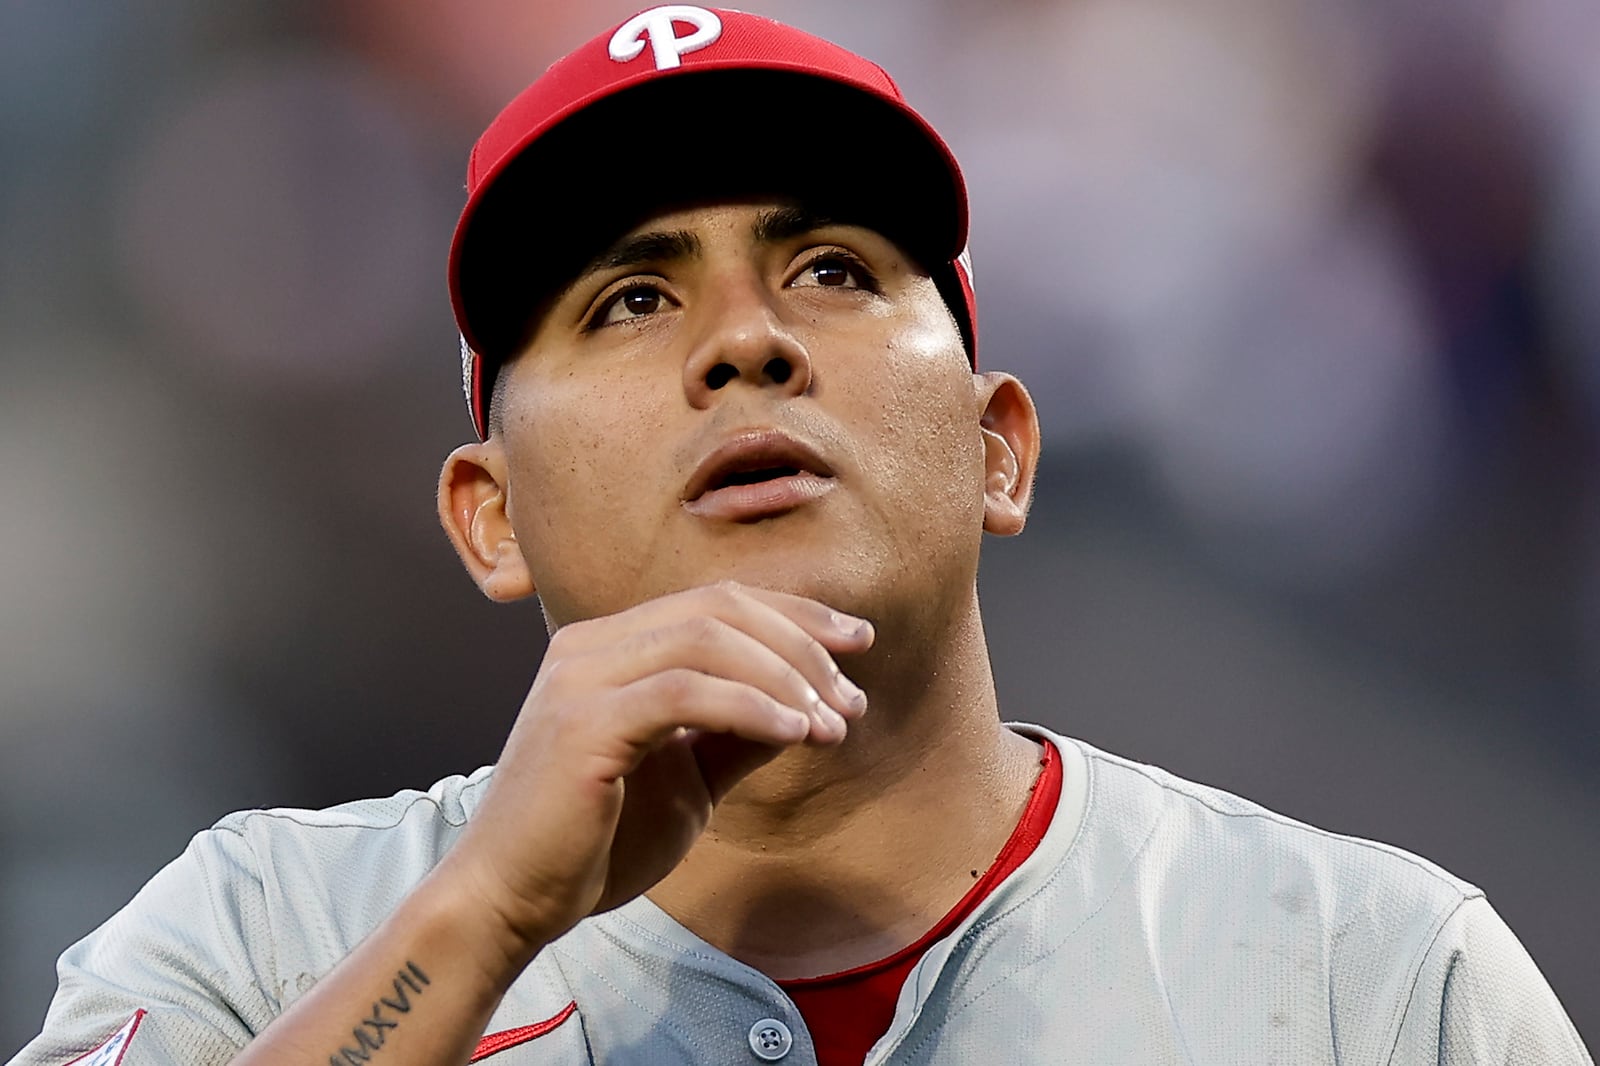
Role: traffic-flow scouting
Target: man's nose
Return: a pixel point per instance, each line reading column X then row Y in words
column 746, row 340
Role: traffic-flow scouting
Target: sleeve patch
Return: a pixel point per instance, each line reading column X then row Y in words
column 110, row 1053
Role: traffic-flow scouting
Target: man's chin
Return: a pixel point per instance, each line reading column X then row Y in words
column 818, row 572
column 848, row 573
column 795, row 576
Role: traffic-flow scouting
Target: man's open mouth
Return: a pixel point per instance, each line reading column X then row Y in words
column 756, row 474
column 752, row 458
column 751, row 477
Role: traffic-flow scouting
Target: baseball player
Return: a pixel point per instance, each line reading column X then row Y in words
column 759, row 805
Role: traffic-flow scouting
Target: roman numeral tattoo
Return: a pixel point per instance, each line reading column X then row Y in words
column 374, row 1029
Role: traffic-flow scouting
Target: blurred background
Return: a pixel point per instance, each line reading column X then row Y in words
column 1309, row 295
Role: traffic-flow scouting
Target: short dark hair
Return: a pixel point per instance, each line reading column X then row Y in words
column 497, row 398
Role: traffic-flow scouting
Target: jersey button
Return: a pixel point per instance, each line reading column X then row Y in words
column 770, row 1039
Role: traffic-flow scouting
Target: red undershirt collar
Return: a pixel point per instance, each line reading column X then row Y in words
column 848, row 1011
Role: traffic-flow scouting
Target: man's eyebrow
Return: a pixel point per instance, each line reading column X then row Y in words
column 645, row 248
column 771, row 226
column 779, row 224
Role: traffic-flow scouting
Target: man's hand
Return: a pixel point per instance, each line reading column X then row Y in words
column 635, row 727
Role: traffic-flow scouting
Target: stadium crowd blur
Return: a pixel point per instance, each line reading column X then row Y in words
column 1308, row 293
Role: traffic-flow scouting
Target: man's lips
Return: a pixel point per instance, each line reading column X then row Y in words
column 755, row 474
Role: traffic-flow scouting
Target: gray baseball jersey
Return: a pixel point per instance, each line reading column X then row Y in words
column 1158, row 921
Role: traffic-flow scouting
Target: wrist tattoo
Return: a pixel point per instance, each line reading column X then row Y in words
column 373, row 1030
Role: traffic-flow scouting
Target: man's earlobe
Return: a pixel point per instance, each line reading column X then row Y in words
column 1010, row 429
column 473, row 511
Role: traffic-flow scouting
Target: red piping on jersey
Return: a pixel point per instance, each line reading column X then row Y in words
column 495, row 1043
column 138, row 1016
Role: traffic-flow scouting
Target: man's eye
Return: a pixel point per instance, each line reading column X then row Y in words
column 831, row 271
column 636, row 302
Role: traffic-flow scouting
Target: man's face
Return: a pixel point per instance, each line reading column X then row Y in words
column 746, row 391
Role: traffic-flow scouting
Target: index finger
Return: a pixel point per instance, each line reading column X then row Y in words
column 835, row 630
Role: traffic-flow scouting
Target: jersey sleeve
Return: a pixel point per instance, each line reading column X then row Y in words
column 173, row 977
column 1480, row 999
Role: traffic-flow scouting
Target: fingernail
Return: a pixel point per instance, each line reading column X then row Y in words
column 847, row 624
column 832, row 718
column 851, row 692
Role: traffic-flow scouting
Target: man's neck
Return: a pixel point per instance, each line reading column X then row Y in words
column 831, row 858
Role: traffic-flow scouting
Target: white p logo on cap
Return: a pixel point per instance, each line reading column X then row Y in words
column 657, row 24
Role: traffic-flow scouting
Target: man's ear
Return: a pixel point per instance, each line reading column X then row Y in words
column 1010, row 428
column 472, row 509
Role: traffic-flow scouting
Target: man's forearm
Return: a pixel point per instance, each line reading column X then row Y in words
column 420, row 989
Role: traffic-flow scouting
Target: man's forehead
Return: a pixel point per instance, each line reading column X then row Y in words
column 681, row 230
column 760, row 220
column 764, row 218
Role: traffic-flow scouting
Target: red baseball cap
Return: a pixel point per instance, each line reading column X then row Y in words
column 678, row 104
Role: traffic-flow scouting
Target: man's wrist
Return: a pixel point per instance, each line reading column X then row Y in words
column 464, row 919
